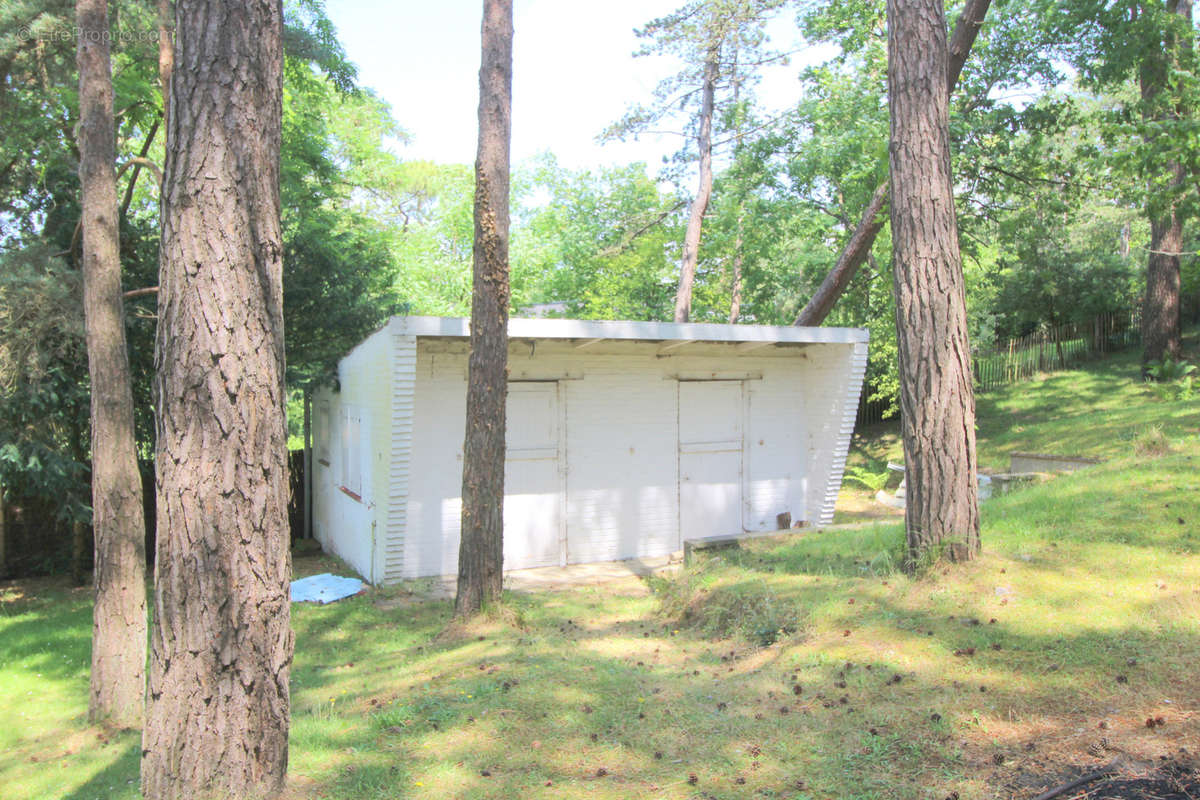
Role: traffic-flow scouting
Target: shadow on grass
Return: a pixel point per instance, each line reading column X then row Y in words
column 121, row 776
column 563, row 715
column 594, row 698
column 50, row 635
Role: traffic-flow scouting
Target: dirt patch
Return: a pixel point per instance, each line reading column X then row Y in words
column 858, row 505
column 1170, row 783
column 1171, row 779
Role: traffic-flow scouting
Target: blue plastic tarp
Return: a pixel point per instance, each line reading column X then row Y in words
column 324, row 588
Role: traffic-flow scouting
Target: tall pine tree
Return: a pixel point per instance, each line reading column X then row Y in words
column 481, row 549
column 118, row 674
column 937, row 397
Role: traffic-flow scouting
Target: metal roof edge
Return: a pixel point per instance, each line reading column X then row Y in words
column 525, row 328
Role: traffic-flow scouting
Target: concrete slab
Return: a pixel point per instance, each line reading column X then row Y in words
column 615, row 575
column 1048, row 462
column 618, row 577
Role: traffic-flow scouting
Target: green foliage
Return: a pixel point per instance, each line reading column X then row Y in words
column 1168, row 369
column 1144, row 55
column 603, row 242
column 310, row 39
column 339, row 265
column 1058, row 253
column 729, row 32
column 339, row 261
column 867, row 478
column 436, row 241
column 43, row 396
column 1171, row 379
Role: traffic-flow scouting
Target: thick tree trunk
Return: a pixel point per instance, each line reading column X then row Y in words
column 936, row 394
column 691, row 239
column 858, row 247
column 1162, row 333
column 221, row 647
column 118, row 677
column 481, row 549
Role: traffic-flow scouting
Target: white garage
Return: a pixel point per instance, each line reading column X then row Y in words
column 624, row 439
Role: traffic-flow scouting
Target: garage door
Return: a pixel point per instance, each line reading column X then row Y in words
column 710, row 458
column 533, row 482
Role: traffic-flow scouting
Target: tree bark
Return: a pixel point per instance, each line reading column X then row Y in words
column 735, row 301
column 78, row 553
column 118, row 676
column 1162, row 332
column 691, row 239
column 481, row 548
column 849, row 260
column 3, row 535
column 166, row 51
column 858, row 247
column 221, row 647
column 936, row 392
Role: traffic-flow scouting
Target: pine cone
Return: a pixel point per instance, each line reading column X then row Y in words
column 1096, row 749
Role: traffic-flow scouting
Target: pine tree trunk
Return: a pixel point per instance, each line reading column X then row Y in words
column 166, row 51
column 1162, row 333
column 858, row 246
column 221, row 647
column 936, row 393
column 735, row 302
column 118, row 676
column 481, row 548
column 691, row 239
column 78, row 553
column 3, row 535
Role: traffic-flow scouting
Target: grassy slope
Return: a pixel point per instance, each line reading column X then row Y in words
column 1096, row 412
column 1082, row 575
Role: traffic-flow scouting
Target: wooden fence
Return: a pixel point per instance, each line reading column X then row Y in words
column 1046, row 350
column 1052, row 349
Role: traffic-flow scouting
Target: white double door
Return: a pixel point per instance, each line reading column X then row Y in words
column 711, row 467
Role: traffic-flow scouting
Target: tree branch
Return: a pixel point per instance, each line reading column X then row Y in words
column 1027, row 179
column 852, row 256
column 138, row 161
column 628, row 240
column 859, row 245
column 137, row 169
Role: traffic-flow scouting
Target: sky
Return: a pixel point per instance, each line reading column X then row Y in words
column 573, row 74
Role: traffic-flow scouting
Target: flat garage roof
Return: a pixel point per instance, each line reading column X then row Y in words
column 596, row 331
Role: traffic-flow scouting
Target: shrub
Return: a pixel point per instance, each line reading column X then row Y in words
column 1151, row 442
column 875, row 481
column 1171, row 379
column 750, row 609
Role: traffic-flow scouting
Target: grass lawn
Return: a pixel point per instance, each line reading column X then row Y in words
column 802, row 666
